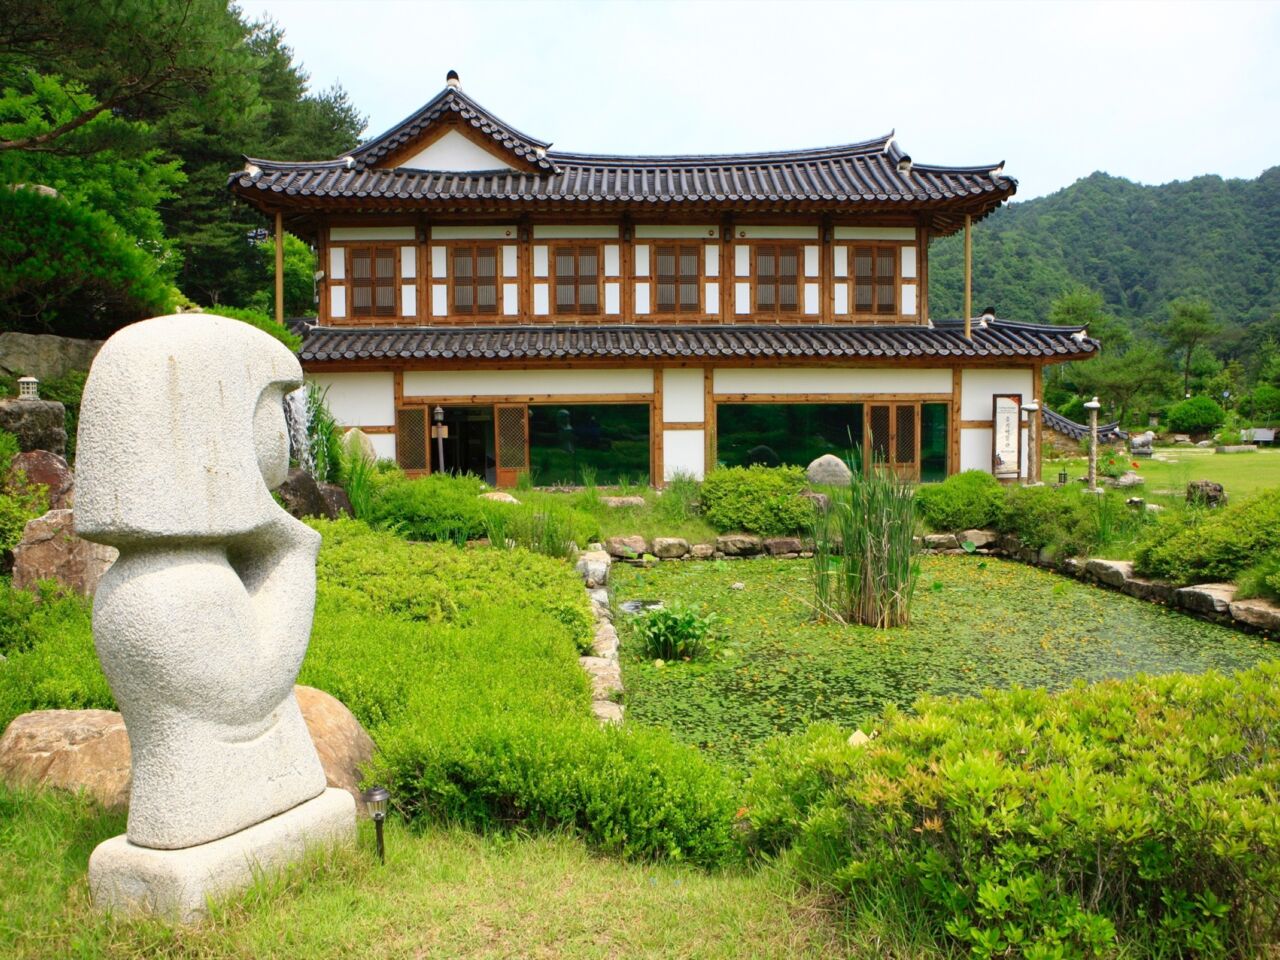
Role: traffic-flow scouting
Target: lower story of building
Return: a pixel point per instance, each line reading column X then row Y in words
column 567, row 425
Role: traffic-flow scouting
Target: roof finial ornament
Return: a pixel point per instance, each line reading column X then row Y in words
column 451, row 79
column 904, row 163
column 988, row 315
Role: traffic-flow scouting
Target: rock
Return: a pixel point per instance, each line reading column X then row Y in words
column 1153, row 507
column 828, row 471
column 605, row 676
column 821, row 502
column 606, row 711
column 1212, row 598
column 38, row 424
column 69, row 750
column 1206, row 493
column 302, row 495
column 1127, row 479
column 598, row 594
column 44, row 356
column 1155, row 591
column 1182, row 438
column 738, row 586
column 605, row 644
column 1205, row 443
column 593, row 566
column 1257, row 613
column 979, row 538
column 498, row 496
column 858, row 739
column 50, row 550
column 48, row 470
column 1137, row 503
column 1111, row 572
column 777, row 546
column 738, row 545
column 668, row 548
column 940, row 541
column 341, row 742
column 356, row 442
column 1071, row 566
column 616, row 502
column 1237, row 448
column 336, row 502
column 1140, row 444
column 626, row 548
column 702, row 551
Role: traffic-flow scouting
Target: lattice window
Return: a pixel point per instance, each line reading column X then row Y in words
column 577, row 279
column 777, row 278
column 475, row 279
column 679, row 277
column 875, row 279
column 512, row 438
column 878, row 423
column 904, row 447
column 411, row 438
column 373, row 281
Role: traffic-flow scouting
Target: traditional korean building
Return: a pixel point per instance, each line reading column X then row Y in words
column 569, row 314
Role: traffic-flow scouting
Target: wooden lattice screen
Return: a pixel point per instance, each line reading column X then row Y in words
column 881, row 428
column 904, row 448
column 512, row 433
column 411, row 438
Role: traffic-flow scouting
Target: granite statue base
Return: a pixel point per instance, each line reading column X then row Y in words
column 178, row 884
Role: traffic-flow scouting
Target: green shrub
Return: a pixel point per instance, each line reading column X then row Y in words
column 9, row 449
column 1196, row 415
column 1133, row 816
column 1262, row 579
column 757, row 499
column 964, row 501
column 1213, row 545
column 260, row 319
column 1069, row 521
column 675, row 632
column 555, row 530
column 19, row 501
column 680, row 499
column 439, row 507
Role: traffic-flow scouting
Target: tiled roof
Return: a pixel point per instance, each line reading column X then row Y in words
column 1107, row 433
column 870, row 174
column 944, row 340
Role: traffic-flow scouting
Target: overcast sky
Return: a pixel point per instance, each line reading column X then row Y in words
column 1153, row 91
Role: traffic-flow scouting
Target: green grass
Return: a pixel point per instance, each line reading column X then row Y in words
column 649, row 521
column 442, row 893
column 1169, row 471
column 975, row 624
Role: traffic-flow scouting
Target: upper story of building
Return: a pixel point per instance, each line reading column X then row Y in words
column 453, row 217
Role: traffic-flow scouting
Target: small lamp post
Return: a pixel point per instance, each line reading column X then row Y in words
column 437, row 415
column 28, row 388
column 1092, row 406
column 1062, row 477
column 1032, row 409
column 375, row 799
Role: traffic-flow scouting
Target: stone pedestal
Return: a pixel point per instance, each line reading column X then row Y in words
column 127, row 879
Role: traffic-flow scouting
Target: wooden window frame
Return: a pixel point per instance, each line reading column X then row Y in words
column 452, row 248
column 776, row 310
column 553, row 278
column 373, row 283
column 699, row 278
column 875, row 313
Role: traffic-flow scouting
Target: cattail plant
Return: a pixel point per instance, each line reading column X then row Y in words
column 865, row 561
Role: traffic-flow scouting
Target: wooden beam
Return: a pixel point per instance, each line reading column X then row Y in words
column 968, row 277
column 279, row 266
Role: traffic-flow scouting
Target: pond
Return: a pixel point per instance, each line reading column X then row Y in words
column 976, row 623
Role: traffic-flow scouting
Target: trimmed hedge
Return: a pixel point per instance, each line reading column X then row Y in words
column 963, row 501
column 1211, row 545
column 757, row 499
column 1138, row 814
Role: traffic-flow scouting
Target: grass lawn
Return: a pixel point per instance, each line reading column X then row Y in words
column 661, row 516
column 976, row 623
column 442, row 893
column 1172, row 468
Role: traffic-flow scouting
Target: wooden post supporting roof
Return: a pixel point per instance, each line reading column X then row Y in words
column 279, row 266
column 968, row 277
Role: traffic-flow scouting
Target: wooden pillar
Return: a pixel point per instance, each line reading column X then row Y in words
column 279, row 267
column 968, row 277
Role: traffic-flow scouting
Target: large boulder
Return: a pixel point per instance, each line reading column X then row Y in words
column 627, row 548
column 1206, row 493
column 358, row 443
column 89, row 749
column 44, row 355
column 302, row 496
column 50, row 550
column 38, row 424
column 670, row 548
column 828, row 471
column 45, row 469
column 336, row 502
column 738, row 545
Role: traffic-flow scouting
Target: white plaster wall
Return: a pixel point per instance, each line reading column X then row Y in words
column 690, row 230
column 474, row 232
column 979, row 385
column 827, row 380
column 360, row 399
column 875, row 233
column 372, row 233
column 683, row 396
column 384, row 445
column 683, row 451
column 519, row 383
column 774, row 232
column 975, row 449
column 575, row 231
column 454, row 151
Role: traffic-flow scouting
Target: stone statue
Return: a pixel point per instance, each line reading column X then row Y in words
column 202, row 623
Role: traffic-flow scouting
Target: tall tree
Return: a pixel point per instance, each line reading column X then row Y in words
column 1190, row 324
column 1122, row 378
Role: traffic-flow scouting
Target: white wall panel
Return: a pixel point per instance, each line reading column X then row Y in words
column 510, row 299
column 742, row 298
column 439, row 300
column 366, row 399
column 975, row 449
column 711, row 259
column 826, row 380
column 539, row 260
column 373, row 233
column 978, row 386
column 642, row 260
column 477, row 232
column 454, row 151
column 683, row 451
column 774, row 232
column 541, row 299
column 712, row 292
column 690, row 230
column 337, row 301
column 811, row 298
column 337, row 263
column 613, row 298
column 741, row 260
column 408, row 263
column 683, row 396
column 384, row 445
column 575, row 231
column 875, row 233
column 439, row 262
column 842, row 298
column 812, row 254
column 408, row 300
column 518, row 383
column 909, row 299
column 611, row 260
column 510, row 252
column 642, row 298
column 840, row 261
column 909, row 263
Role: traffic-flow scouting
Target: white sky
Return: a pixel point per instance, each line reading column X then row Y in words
column 1153, row 91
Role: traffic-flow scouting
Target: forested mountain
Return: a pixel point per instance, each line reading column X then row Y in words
column 1140, row 246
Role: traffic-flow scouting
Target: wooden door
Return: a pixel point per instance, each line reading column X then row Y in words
column 411, row 440
column 511, row 438
column 893, row 438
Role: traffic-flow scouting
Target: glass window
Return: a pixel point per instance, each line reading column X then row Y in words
column 610, row 439
column 777, row 278
column 577, row 279
column 786, row 433
column 933, row 442
column 678, row 276
column 373, row 281
column 475, row 279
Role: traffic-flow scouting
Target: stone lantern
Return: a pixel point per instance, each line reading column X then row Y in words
column 28, row 388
